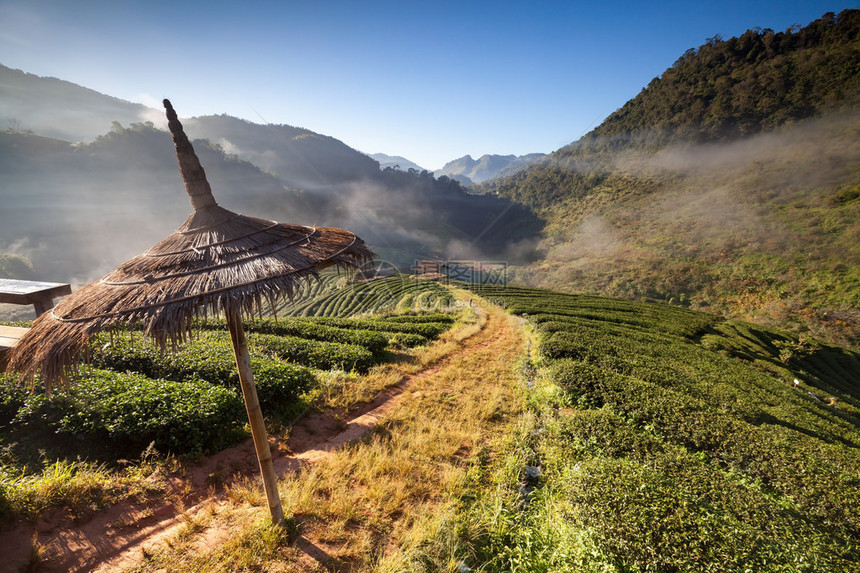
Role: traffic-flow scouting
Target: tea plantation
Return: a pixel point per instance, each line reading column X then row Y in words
column 672, row 440
column 656, row 438
column 186, row 400
column 397, row 293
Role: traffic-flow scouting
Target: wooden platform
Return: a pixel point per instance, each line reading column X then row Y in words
column 9, row 337
column 40, row 294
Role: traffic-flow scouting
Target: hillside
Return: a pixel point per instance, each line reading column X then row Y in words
column 726, row 89
column 580, row 434
column 76, row 211
column 301, row 158
column 59, row 109
column 710, row 189
column 663, row 439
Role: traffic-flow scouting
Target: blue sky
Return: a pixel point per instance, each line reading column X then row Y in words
column 430, row 81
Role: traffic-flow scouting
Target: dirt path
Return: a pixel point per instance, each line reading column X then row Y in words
column 119, row 537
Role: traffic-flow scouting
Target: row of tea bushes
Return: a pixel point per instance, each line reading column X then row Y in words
column 400, row 293
column 127, row 412
column 208, row 356
column 319, row 354
column 417, row 318
column 374, row 334
column 429, row 330
column 374, row 342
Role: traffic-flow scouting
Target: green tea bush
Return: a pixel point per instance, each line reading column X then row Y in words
column 12, row 397
column 673, row 512
column 405, row 340
column 132, row 411
column 318, row 354
column 313, row 330
column 430, row 330
column 209, row 357
column 586, row 433
column 567, row 344
column 414, row 318
column 779, row 458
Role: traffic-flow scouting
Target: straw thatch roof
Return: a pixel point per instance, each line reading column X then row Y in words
column 216, row 260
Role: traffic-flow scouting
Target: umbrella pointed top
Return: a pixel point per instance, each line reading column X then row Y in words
column 192, row 172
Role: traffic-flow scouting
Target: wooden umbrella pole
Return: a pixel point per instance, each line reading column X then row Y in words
column 255, row 414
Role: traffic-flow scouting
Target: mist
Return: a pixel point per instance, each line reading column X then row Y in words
column 757, row 227
column 76, row 211
column 723, row 192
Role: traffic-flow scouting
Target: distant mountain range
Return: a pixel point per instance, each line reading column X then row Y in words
column 468, row 171
column 395, row 162
column 90, row 180
column 62, row 110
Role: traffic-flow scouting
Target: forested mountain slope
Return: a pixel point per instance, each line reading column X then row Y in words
column 731, row 88
column 730, row 183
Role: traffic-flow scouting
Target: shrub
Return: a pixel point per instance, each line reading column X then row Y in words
column 208, row 356
column 429, row 330
column 587, row 433
column 414, row 318
column 318, row 354
column 12, row 396
column 131, row 410
column 405, row 340
column 675, row 513
column 312, row 329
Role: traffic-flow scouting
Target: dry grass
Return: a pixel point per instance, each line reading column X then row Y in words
column 82, row 487
column 342, row 391
column 371, row 504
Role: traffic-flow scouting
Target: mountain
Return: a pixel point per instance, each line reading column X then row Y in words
column 300, row 157
column 732, row 88
column 395, row 161
column 75, row 205
column 60, row 109
column 467, row 170
column 77, row 210
column 731, row 183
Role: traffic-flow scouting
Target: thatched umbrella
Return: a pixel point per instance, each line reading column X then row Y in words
column 217, row 261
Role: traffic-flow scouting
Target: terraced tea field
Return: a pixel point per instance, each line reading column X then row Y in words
column 398, row 293
column 133, row 394
column 623, row 436
column 673, row 440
